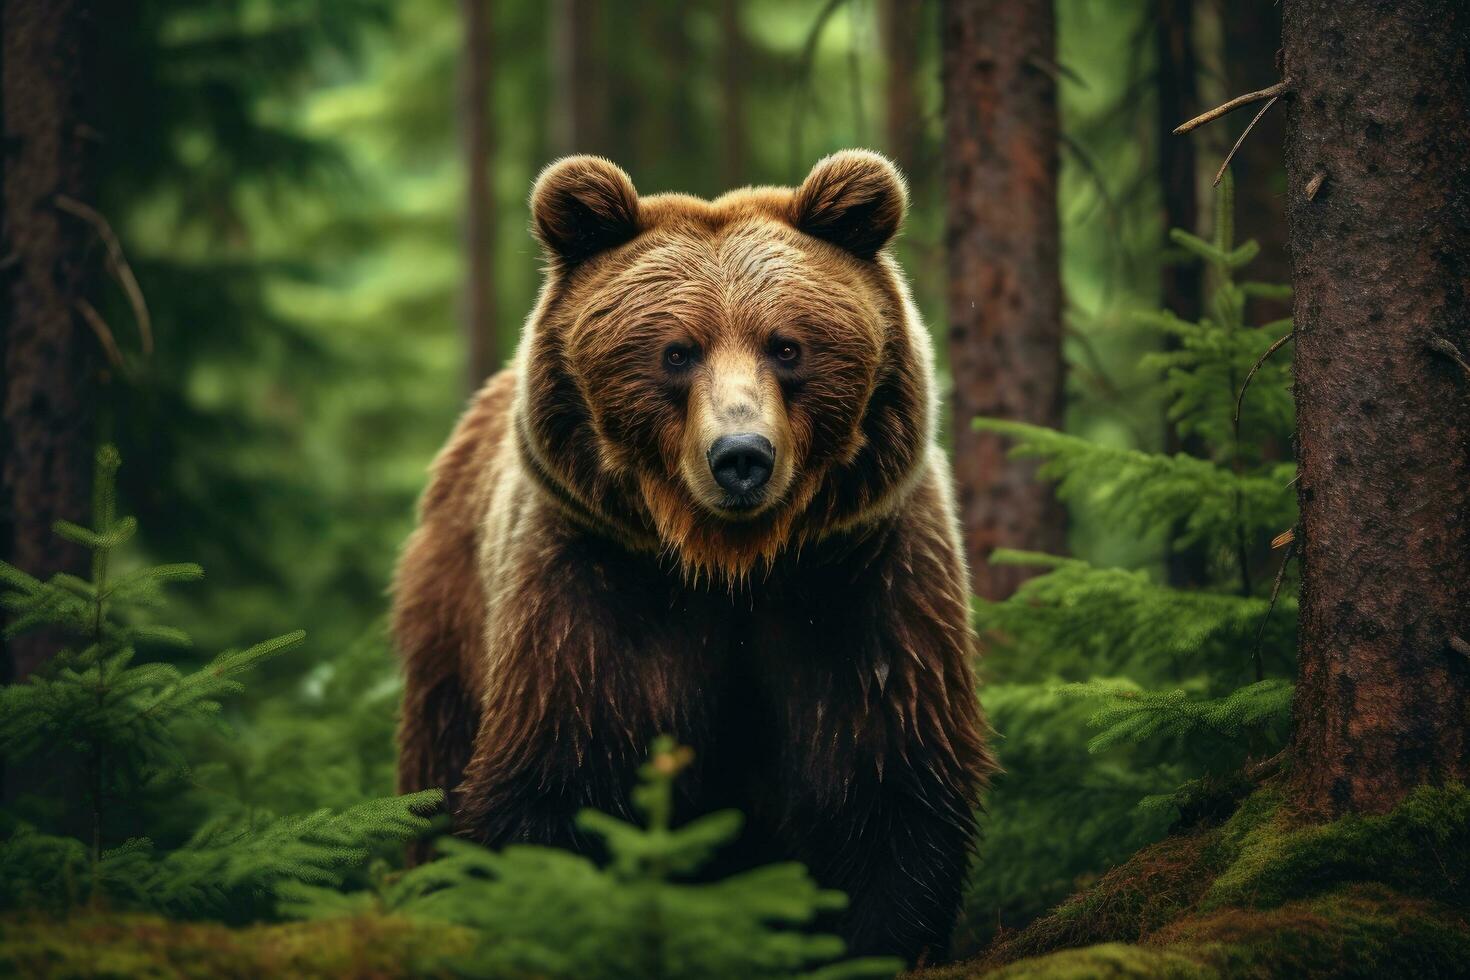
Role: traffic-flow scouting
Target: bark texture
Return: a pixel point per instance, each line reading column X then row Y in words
column 1381, row 256
column 476, row 135
column 1004, row 295
column 51, row 359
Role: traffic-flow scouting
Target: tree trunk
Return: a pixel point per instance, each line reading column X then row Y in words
column 51, row 358
column 580, row 107
column 477, row 147
column 1181, row 284
column 1379, row 128
column 733, row 67
column 1178, row 92
column 1252, row 39
column 1005, row 330
column 899, row 25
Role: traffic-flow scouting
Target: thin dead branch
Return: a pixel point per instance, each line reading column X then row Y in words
column 1271, row 606
column 117, row 264
column 102, row 330
column 1275, row 91
column 1231, row 155
column 1057, row 71
column 1448, row 349
column 1315, row 184
column 1276, row 345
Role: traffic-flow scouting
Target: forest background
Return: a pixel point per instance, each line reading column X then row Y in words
column 314, row 217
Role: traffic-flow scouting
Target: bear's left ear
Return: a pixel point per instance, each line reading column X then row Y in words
column 854, row 199
column 582, row 205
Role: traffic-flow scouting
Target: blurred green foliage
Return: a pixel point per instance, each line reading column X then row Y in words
column 285, row 179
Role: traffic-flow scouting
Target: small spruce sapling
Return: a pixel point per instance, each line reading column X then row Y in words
column 103, row 738
column 539, row 911
column 1230, row 502
column 1181, row 686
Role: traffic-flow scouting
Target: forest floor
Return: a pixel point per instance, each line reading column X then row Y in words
column 146, row 946
column 1259, row 894
column 1263, row 894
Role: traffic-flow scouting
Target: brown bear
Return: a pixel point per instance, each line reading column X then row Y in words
column 707, row 500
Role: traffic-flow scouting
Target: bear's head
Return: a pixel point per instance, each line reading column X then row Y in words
column 723, row 380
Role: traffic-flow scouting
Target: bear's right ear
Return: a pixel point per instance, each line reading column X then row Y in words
column 581, row 206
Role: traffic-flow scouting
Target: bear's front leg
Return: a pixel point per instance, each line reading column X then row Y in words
column 902, row 862
column 893, row 821
column 885, row 751
column 590, row 657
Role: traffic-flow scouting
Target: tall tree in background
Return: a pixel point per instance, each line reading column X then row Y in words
column 1178, row 95
column 51, row 356
column 579, row 109
column 1252, row 38
column 477, row 148
column 1181, row 284
column 1378, row 177
column 899, row 25
column 1005, row 329
column 733, row 55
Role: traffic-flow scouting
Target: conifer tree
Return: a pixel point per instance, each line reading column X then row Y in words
column 1180, row 686
column 543, row 912
column 115, row 731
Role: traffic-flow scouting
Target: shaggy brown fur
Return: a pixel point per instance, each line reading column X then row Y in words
column 580, row 583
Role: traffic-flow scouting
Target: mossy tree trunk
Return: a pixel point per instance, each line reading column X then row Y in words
column 1378, row 202
column 1005, row 298
column 51, row 359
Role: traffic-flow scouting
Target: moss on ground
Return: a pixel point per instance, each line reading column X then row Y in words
column 101, row 945
column 1266, row 895
column 1261, row 895
column 1421, row 848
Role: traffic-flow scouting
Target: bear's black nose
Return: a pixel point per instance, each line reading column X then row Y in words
column 742, row 463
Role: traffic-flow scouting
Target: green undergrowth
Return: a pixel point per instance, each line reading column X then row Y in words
column 1266, row 895
column 1260, row 895
column 146, row 946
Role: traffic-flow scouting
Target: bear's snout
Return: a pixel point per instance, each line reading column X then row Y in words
column 741, row 465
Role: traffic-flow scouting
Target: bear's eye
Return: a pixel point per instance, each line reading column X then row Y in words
column 786, row 351
column 677, row 356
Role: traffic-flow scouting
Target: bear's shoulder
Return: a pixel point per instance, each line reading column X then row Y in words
column 457, row 486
